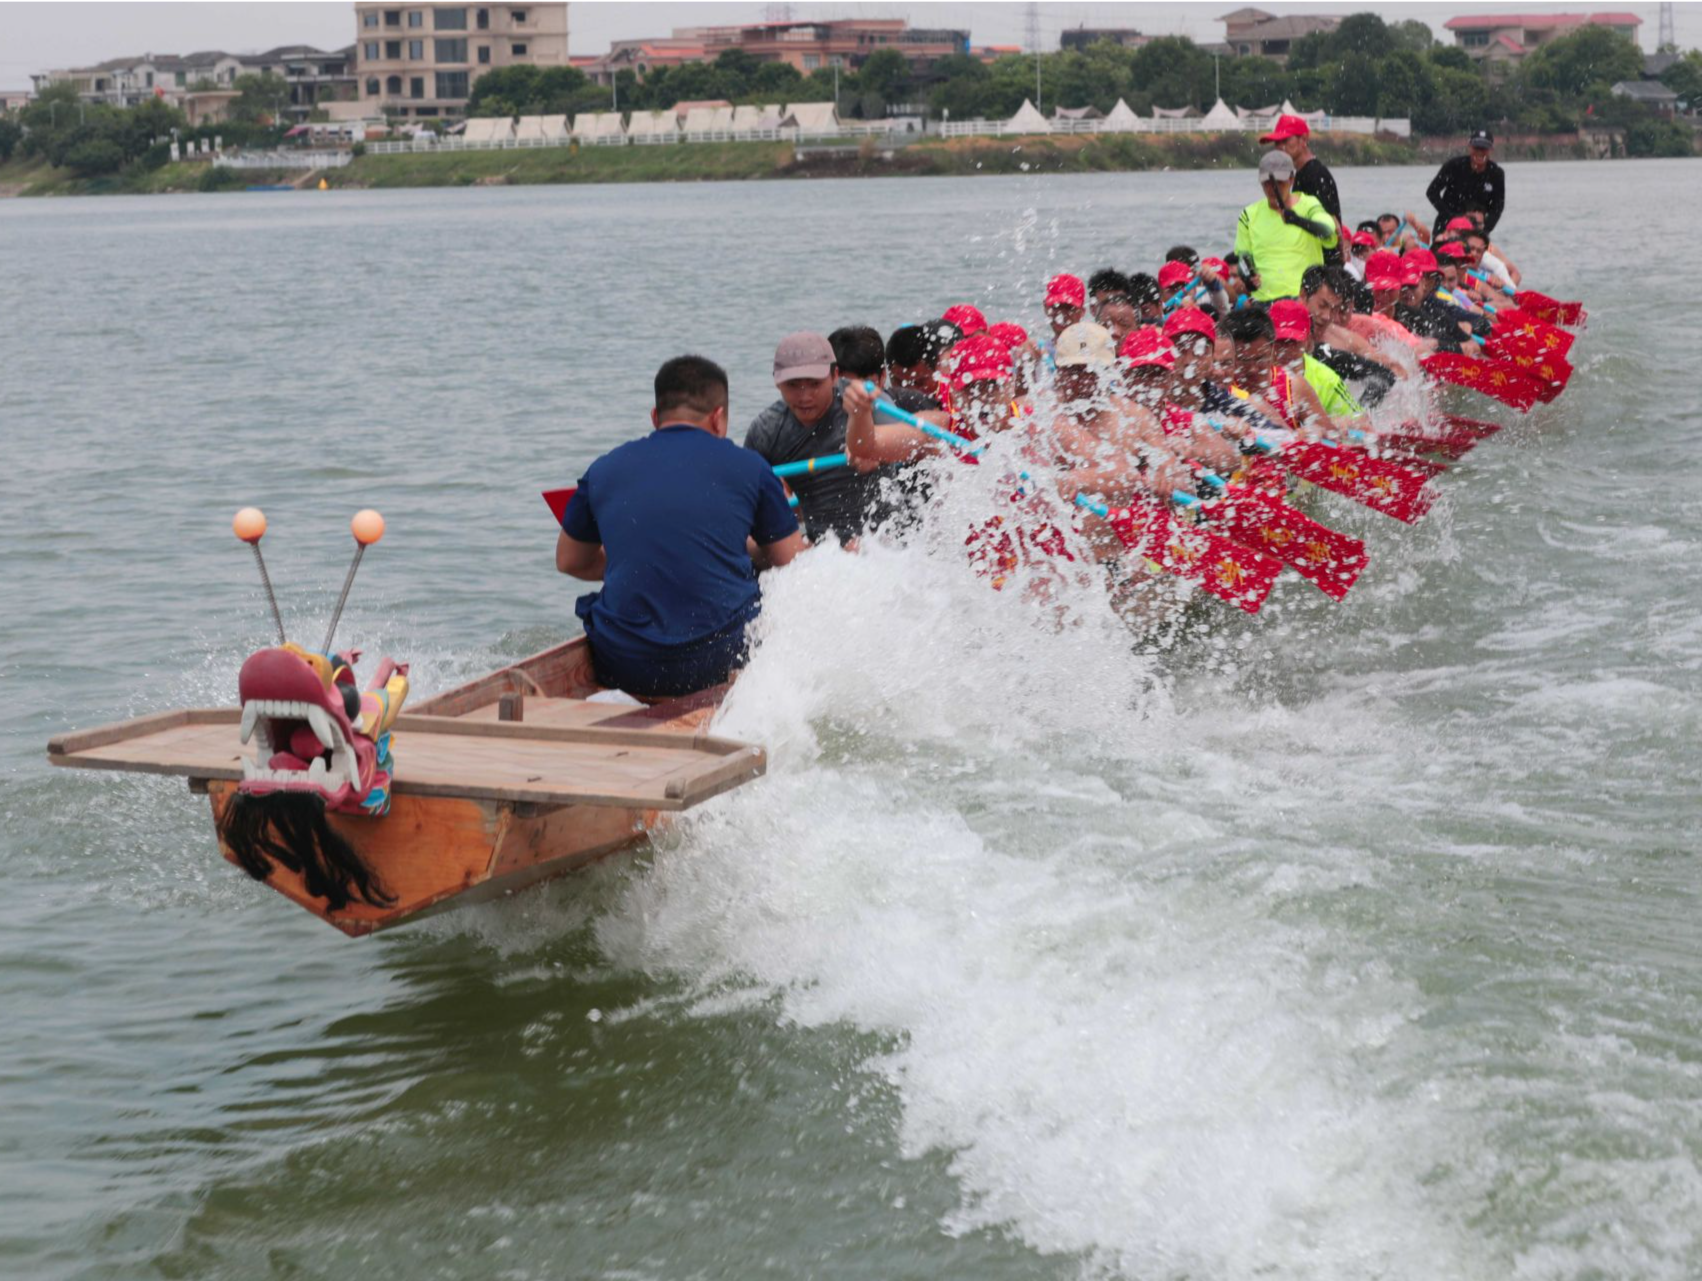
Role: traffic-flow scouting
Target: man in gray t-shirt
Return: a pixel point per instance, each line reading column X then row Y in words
column 808, row 421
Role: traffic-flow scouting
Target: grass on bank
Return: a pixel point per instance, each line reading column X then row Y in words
column 716, row 162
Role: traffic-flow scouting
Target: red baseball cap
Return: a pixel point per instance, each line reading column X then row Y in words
column 1189, row 320
column 1462, row 223
column 1411, row 273
column 1364, row 238
column 1453, row 249
column 1066, row 290
column 980, row 358
column 966, row 317
column 1146, row 346
column 1288, row 127
column 1383, row 270
column 1009, row 333
column 1174, row 274
column 1216, row 264
column 1291, row 320
column 1423, row 259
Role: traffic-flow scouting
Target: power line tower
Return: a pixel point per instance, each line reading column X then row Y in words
column 1667, row 41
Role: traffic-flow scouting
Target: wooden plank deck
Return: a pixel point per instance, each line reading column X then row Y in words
column 558, row 755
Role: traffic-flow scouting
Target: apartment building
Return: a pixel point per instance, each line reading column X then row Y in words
column 203, row 83
column 1508, row 37
column 1255, row 33
column 807, row 46
column 423, row 59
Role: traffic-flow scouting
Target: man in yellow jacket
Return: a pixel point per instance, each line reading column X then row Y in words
column 1282, row 235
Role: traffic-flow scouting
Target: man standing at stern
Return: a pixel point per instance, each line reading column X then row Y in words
column 1468, row 182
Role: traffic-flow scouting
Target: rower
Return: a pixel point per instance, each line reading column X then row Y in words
column 1335, row 345
column 1285, row 232
column 675, row 524
column 1066, row 297
column 913, row 357
column 1271, row 391
column 1309, row 391
column 808, row 421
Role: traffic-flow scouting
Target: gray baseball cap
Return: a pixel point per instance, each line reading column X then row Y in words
column 802, row 355
column 1276, row 164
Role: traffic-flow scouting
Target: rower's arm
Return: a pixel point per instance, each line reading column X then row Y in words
column 774, row 555
column 867, row 441
column 580, row 560
column 1309, row 410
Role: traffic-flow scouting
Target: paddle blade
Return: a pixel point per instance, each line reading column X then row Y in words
column 1243, row 576
column 1493, row 378
column 1518, row 330
column 558, row 500
column 1328, row 560
column 999, row 547
column 1545, row 308
column 1551, row 373
column 1377, row 483
column 1477, row 428
column 1451, row 446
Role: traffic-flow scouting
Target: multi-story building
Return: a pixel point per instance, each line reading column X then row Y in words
column 1255, row 33
column 1508, row 37
column 423, row 59
column 202, row 84
column 807, row 46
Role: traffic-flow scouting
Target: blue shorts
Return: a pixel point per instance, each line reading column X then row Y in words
column 674, row 672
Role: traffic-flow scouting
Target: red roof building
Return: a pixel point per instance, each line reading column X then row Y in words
column 1507, row 37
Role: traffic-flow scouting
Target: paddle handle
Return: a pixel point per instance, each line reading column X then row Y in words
column 807, row 465
column 960, row 443
column 1506, row 289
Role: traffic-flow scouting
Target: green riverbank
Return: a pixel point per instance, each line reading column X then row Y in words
column 719, row 161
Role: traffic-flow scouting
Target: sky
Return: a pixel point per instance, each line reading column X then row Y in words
column 38, row 35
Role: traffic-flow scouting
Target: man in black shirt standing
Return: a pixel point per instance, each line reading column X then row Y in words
column 1312, row 176
column 1468, row 182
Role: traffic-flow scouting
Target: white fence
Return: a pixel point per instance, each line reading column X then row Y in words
column 1401, row 127
column 852, row 129
column 284, row 159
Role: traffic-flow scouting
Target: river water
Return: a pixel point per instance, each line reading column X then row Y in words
column 1348, row 941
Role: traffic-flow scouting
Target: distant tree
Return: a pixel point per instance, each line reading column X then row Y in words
column 1684, row 78
column 94, row 157
column 1254, row 82
column 1405, row 84
column 503, row 91
column 1451, row 56
column 1413, row 35
column 1363, row 33
column 1457, row 106
column 1353, row 85
column 1309, row 51
column 1587, row 57
column 1173, row 71
column 774, row 80
column 885, row 74
column 737, row 68
column 11, row 133
column 962, row 88
column 259, row 98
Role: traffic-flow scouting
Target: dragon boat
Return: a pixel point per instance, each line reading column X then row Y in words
column 369, row 816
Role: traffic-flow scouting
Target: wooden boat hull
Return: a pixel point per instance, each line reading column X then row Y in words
column 433, row 850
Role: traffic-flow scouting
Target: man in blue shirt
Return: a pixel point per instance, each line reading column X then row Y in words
column 676, row 525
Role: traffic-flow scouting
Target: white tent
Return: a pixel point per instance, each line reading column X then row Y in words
column 1260, row 113
column 1077, row 113
column 653, row 126
column 1027, row 120
column 750, row 119
column 1220, row 118
column 1121, row 119
column 529, row 129
column 489, row 129
column 811, row 117
column 553, row 128
column 1174, row 113
column 708, row 120
column 598, row 126
column 1310, row 117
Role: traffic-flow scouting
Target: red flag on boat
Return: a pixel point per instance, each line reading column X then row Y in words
column 1243, row 576
column 1317, row 553
column 1377, row 483
column 1545, row 308
column 1552, row 372
column 1504, row 382
column 1516, row 328
column 558, row 500
column 1450, row 445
